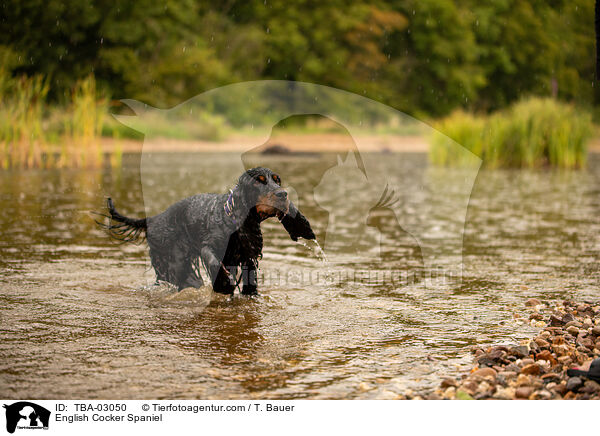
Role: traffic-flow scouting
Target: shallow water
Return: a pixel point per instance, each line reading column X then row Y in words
column 80, row 319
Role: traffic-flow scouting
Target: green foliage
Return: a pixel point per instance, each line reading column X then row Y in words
column 532, row 133
column 425, row 57
column 434, row 63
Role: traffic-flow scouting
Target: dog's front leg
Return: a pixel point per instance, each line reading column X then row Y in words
column 249, row 279
column 222, row 279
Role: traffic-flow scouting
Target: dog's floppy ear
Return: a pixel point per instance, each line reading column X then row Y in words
column 296, row 224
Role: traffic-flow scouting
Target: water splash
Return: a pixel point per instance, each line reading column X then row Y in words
column 319, row 251
column 315, row 248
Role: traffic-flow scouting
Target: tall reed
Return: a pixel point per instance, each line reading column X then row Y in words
column 31, row 137
column 81, row 145
column 536, row 132
column 21, row 111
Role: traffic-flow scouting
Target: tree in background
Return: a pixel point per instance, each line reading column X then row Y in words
column 426, row 57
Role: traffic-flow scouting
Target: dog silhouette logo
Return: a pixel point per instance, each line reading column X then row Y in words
column 26, row 415
column 359, row 194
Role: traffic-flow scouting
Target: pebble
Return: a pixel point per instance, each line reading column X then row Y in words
column 508, row 375
column 519, row 351
column 536, row 368
column 533, row 302
column 387, row 395
column 573, row 330
column 450, row 393
column 561, row 350
column 470, row 386
column 541, row 395
column 574, row 383
column 448, row 382
column 532, row 369
column 522, row 380
column 527, row 361
column 484, row 373
column 484, row 387
column 513, row 368
column 560, row 389
column 504, row 393
column 591, row 386
column 573, row 324
column 523, row 392
column 565, row 360
column 547, row 356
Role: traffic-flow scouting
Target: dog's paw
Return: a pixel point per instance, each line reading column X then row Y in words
column 249, row 290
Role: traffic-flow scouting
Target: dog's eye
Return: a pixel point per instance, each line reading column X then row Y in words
column 262, row 179
column 276, row 179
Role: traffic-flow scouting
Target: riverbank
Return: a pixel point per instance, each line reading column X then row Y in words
column 536, row 369
column 296, row 143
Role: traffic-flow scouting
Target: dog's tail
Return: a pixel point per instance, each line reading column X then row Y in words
column 125, row 229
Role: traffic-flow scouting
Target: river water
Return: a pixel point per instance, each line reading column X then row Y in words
column 79, row 317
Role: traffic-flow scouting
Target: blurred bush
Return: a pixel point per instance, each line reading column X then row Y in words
column 423, row 57
column 535, row 132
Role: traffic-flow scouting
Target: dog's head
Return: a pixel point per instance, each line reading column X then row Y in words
column 261, row 189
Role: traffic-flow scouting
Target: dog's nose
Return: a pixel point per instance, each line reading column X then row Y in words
column 281, row 194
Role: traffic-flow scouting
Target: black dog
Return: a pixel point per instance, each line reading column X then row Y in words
column 221, row 230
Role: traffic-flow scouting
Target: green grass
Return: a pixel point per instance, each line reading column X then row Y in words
column 35, row 134
column 537, row 132
column 22, row 141
column 199, row 126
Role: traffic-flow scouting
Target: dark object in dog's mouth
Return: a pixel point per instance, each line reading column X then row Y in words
column 266, row 210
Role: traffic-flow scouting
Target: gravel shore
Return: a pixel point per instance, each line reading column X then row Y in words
column 536, row 369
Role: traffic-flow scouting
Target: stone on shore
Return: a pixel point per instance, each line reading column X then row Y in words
column 537, row 371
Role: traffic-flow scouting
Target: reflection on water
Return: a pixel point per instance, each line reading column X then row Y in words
column 81, row 319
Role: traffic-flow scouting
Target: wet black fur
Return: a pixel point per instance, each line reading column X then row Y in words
column 199, row 230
